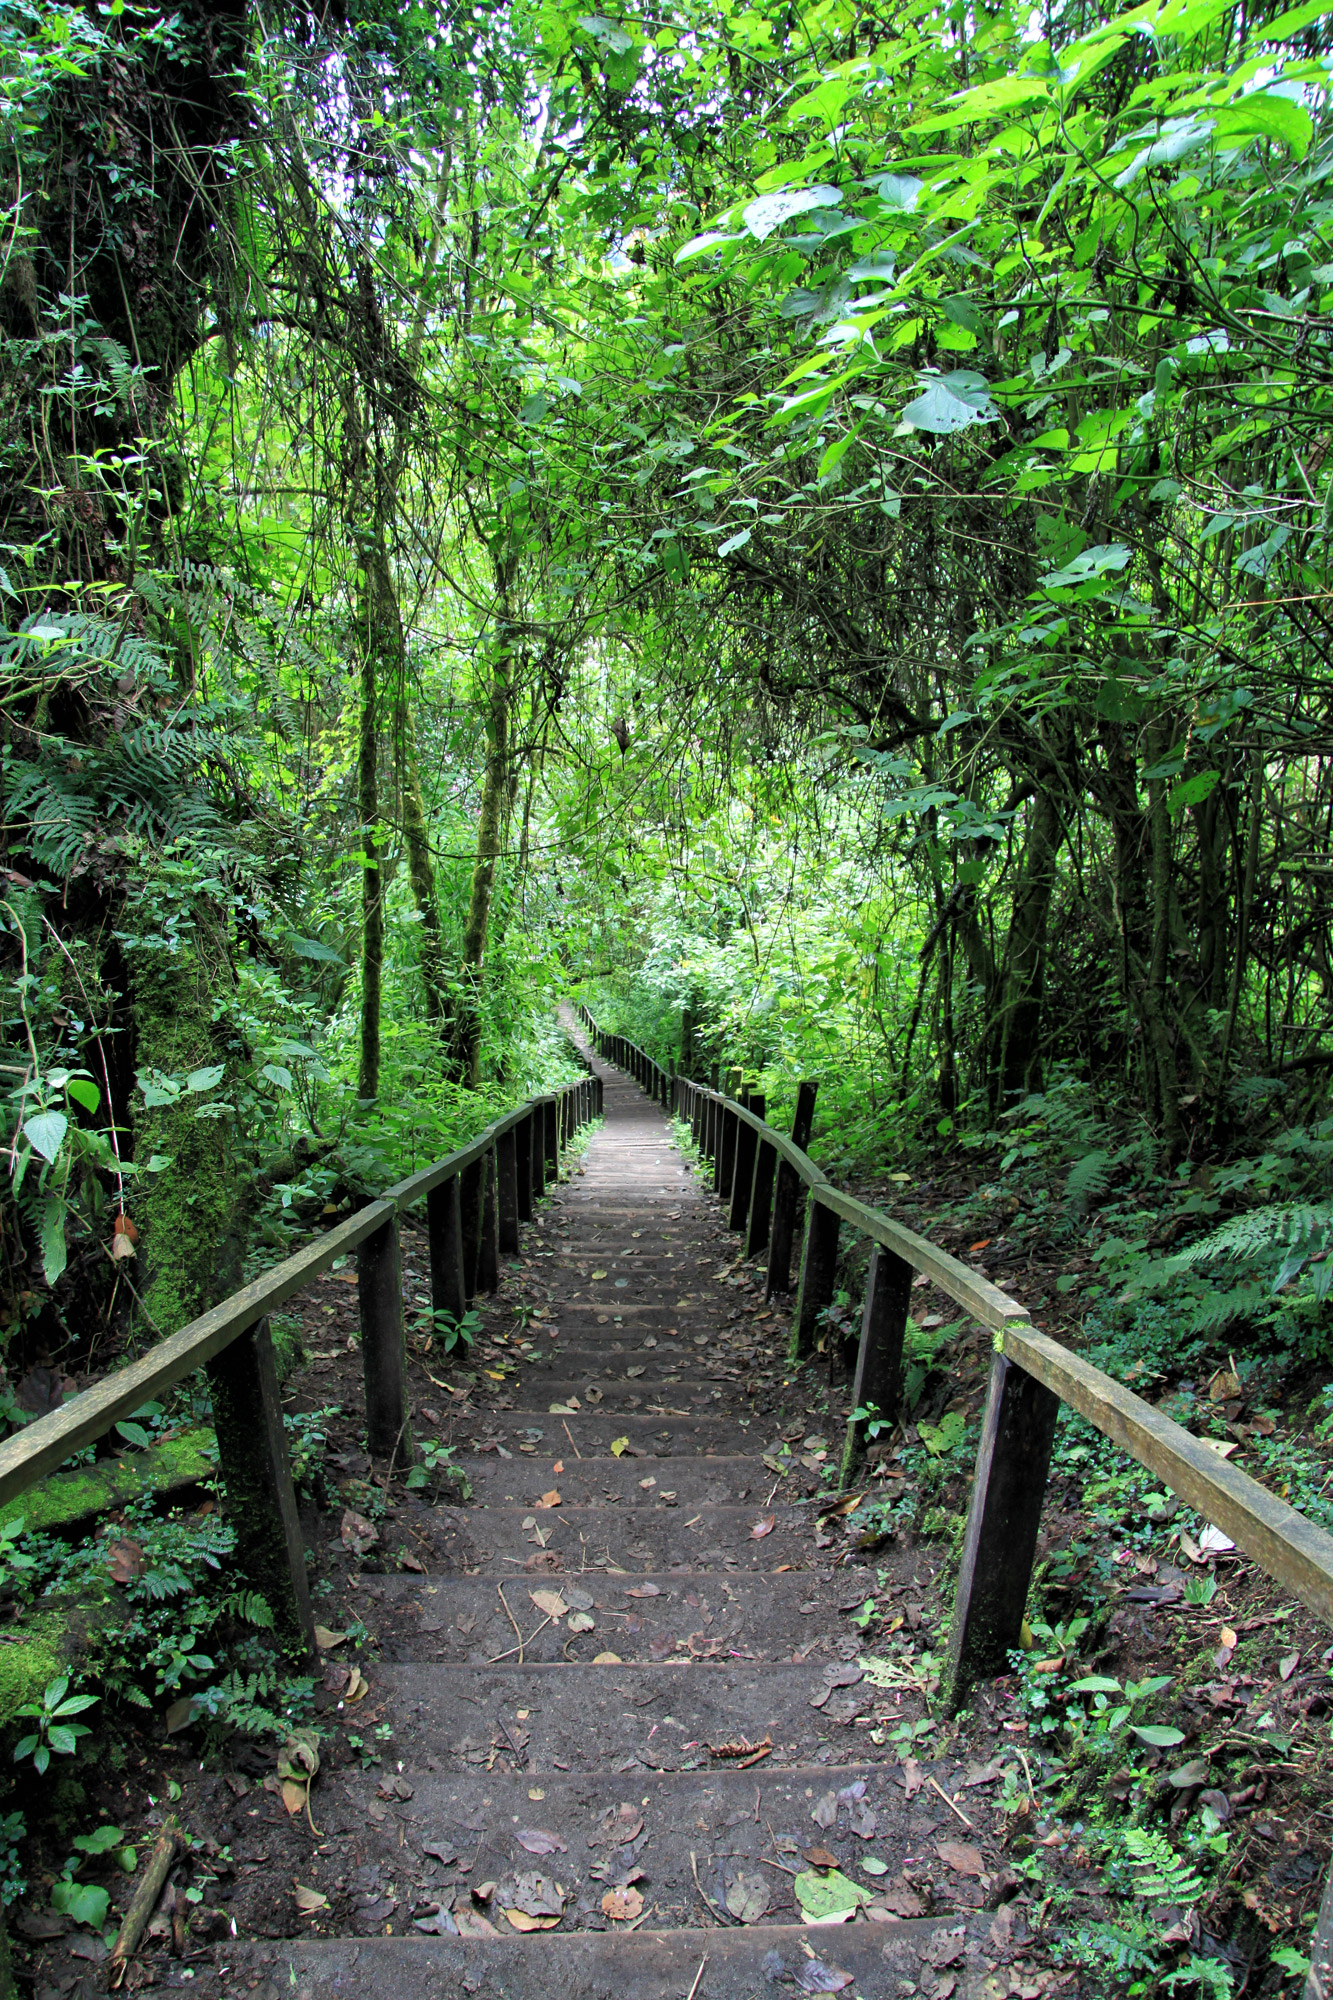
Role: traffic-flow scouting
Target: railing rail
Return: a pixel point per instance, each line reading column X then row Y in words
column 475, row 1199
column 1031, row 1375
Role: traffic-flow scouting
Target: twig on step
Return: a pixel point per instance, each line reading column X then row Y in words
column 145, row 1900
column 697, row 1977
column 708, row 1902
column 956, row 1810
column 570, row 1435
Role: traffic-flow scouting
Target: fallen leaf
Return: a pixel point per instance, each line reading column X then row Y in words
column 819, row 1857
column 440, row 1923
column 599, row 1274
column 471, row 1923
column 865, row 1822
column 124, row 1227
column 1224, row 1386
column 816, row 1977
column 1214, row 1543
column 824, row 1812
column 618, row 1446
column 406, row 1560
column 1222, row 1446
column 748, row 1897
column 631, row 1374
column 551, row 1499
column 309, row 1900
column 441, row 1851
column 607, row 1660
column 763, row 1527
column 124, row 1560
column 740, row 1748
column 645, row 1590
column 326, row 1640
column 1227, row 1638
column 579, row 1621
column 618, row 1827
column 122, row 1247
column 901, row 1900
column 536, row 1896
column 912, row 1777
column 1190, row 1776
column 357, row 1686
column 962, row 1858
column 293, row 1795
column 536, row 1842
column 622, row 1904
column 828, row 1898
column 358, row 1534
column 528, row 1920
column 550, row 1602
column 1288, row 1666
column 945, row 1947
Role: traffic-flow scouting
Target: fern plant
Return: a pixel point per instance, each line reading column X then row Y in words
column 1162, row 1875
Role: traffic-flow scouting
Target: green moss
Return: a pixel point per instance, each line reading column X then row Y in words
column 30, row 1660
column 98, row 1489
column 193, row 1215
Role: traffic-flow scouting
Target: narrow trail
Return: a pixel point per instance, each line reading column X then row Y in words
column 630, row 1704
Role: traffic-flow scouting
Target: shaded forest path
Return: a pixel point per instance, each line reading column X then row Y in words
column 629, row 1705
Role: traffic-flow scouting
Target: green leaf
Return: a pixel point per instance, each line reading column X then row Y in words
column 1158, row 1735
column 734, row 542
column 901, row 191
column 830, row 1895
column 276, row 1074
column 54, row 1252
column 81, row 1902
column 608, row 33
column 205, row 1079
column 1094, row 1684
column 1192, row 791
column 951, row 402
column 100, row 1841
column 84, row 1092
column 135, row 1434
column 304, row 947
column 45, row 1133
column 769, row 211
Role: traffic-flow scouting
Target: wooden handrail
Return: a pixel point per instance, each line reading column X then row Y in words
column 1031, row 1375
column 464, row 1194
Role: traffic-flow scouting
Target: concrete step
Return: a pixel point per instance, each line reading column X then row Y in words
column 715, row 1482
column 656, row 1533
column 591, row 1432
column 735, row 1964
column 691, row 1614
column 585, row 1719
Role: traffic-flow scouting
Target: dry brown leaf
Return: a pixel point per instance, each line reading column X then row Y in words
column 358, row 1534
column 621, row 1905
column 327, row 1640
column 357, row 1686
column 1288, row 1666
column 740, row 1748
column 124, row 1560
column 607, row 1660
column 293, row 1795
column 537, row 1842
column 524, row 1920
column 551, row 1499
column 763, row 1527
column 912, row 1777
column 961, row 1857
column 309, row 1900
column 551, row 1603
column 819, row 1857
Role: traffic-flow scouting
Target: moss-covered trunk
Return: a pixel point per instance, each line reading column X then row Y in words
column 494, row 794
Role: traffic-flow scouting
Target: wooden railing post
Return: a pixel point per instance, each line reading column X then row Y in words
column 1000, row 1541
column 819, row 1264
column 470, row 1192
column 444, row 1230
column 551, row 1121
column 379, row 1284
column 506, row 1198
column 761, row 1198
column 786, row 1197
column 742, row 1176
column 879, row 1358
column 488, row 1260
column 538, row 1123
column 523, row 1152
column 726, row 1154
column 257, row 1481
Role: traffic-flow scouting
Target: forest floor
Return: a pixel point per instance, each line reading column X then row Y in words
column 660, row 1448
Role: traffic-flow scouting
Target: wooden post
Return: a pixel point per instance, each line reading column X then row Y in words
column 379, row 1286
column 726, row 1154
column 761, row 1198
column 1000, row 1541
column 257, row 1480
column 523, row 1150
column 819, row 1263
column 488, row 1262
column 538, row 1122
column 551, row 1122
column 506, row 1201
column 879, row 1358
column 470, row 1190
column 742, row 1176
column 786, row 1197
column 444, row 1229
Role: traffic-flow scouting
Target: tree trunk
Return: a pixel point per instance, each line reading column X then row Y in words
column 372, row 880
column 1024, row 983
column 467, row 1027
